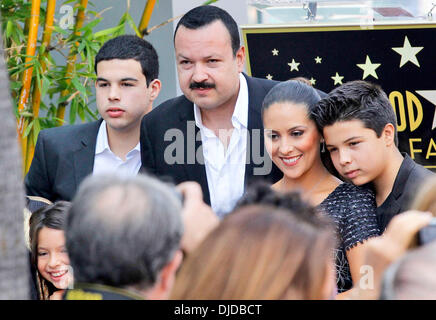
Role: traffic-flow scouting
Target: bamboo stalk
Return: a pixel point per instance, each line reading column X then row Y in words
column 72, row 58
column 36, row 96
column 27, row 75
column 146, row 15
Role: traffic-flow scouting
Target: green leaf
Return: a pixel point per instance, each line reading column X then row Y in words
column 208, row 2
column 73, row 111
column 9, row 28
column 81, row 46
column 132, row 24
column 81, row 111
column 79, row 87
column 60, row 30
column 36, row 129
column 109, row 31
column 28, row 128
column 45, row 86
column 90, row 25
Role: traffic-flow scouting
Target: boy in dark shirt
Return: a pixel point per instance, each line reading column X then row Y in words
column 359, row 127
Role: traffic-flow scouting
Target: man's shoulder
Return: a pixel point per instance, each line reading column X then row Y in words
column 169, row 109
column 67, row 135
column 68, row 130
column 254, row 83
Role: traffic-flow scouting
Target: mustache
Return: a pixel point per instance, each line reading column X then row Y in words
column 201, row 85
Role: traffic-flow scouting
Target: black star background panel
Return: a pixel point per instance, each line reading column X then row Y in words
column 400, row 58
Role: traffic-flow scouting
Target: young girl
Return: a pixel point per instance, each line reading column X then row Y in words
column 293, row 142
column 48, row 251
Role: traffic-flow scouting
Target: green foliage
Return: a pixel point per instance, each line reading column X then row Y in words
column 53, row 79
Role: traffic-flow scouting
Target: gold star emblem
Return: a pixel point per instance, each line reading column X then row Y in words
column 338, row 79
column 408, row 53
column 318, row 60
column 312, row 81
column 294, row 65
column 430, row 95
column 275, row 52
column 269, row 77
column 369, row 68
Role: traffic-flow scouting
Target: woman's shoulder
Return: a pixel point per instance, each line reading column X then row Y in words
column 351, row 191
column 346, row 197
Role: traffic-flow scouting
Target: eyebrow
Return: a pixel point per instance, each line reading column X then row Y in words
column 349, row 139
column 123, row 79
column 42, row 248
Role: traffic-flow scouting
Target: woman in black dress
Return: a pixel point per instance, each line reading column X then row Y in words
column 295, row 145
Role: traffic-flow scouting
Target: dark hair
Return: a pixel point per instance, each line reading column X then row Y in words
column 259, row 252
column 122, row 231
column 204, row 15
column 51, row 216
column 131, row 47
column 293, row 91
column 261, row 193
column 356, row 100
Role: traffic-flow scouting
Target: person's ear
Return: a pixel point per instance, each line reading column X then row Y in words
column 240, row 58
column 165, row 282
column 388, row 134
column 155, row 87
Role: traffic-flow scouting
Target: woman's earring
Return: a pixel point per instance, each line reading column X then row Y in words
column 322, row 146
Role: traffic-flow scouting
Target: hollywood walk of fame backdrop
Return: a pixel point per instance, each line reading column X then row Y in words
column 400, row 58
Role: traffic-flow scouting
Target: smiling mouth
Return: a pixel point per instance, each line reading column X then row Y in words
column 291, row 161
column 57, row 275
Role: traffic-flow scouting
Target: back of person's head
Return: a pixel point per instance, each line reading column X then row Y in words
column 205, row 15
column 303, row 80
column 291, row 91
column 413, row 277
column 261, row 193
column 122, row 231
column 425, row 199
column 261, row 252
column 131, row 47
column 356, row 100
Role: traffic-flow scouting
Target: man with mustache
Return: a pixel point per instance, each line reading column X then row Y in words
column 127, row 82
column 212, row 134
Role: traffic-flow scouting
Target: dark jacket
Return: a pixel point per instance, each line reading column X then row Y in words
column 64, row 156
column 169, row 131
column 409, row 178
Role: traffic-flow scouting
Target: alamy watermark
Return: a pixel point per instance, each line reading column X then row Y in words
column 175, row 152
column 67, row 18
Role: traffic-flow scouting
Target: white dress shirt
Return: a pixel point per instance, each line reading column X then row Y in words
column 225, row 169
column 107, row 162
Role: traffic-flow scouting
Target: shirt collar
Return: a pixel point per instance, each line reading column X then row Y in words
column 240, row 114
column 102, row 142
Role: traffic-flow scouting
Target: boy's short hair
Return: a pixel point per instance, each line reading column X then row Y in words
column 131, row 47
column 356, row 100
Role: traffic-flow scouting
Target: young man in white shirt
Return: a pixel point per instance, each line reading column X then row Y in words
column 127, row 82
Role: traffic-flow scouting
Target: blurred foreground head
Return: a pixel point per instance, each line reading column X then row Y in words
column 261, row 252
column 125, row 232
column 425, row 199
column 413, row 277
